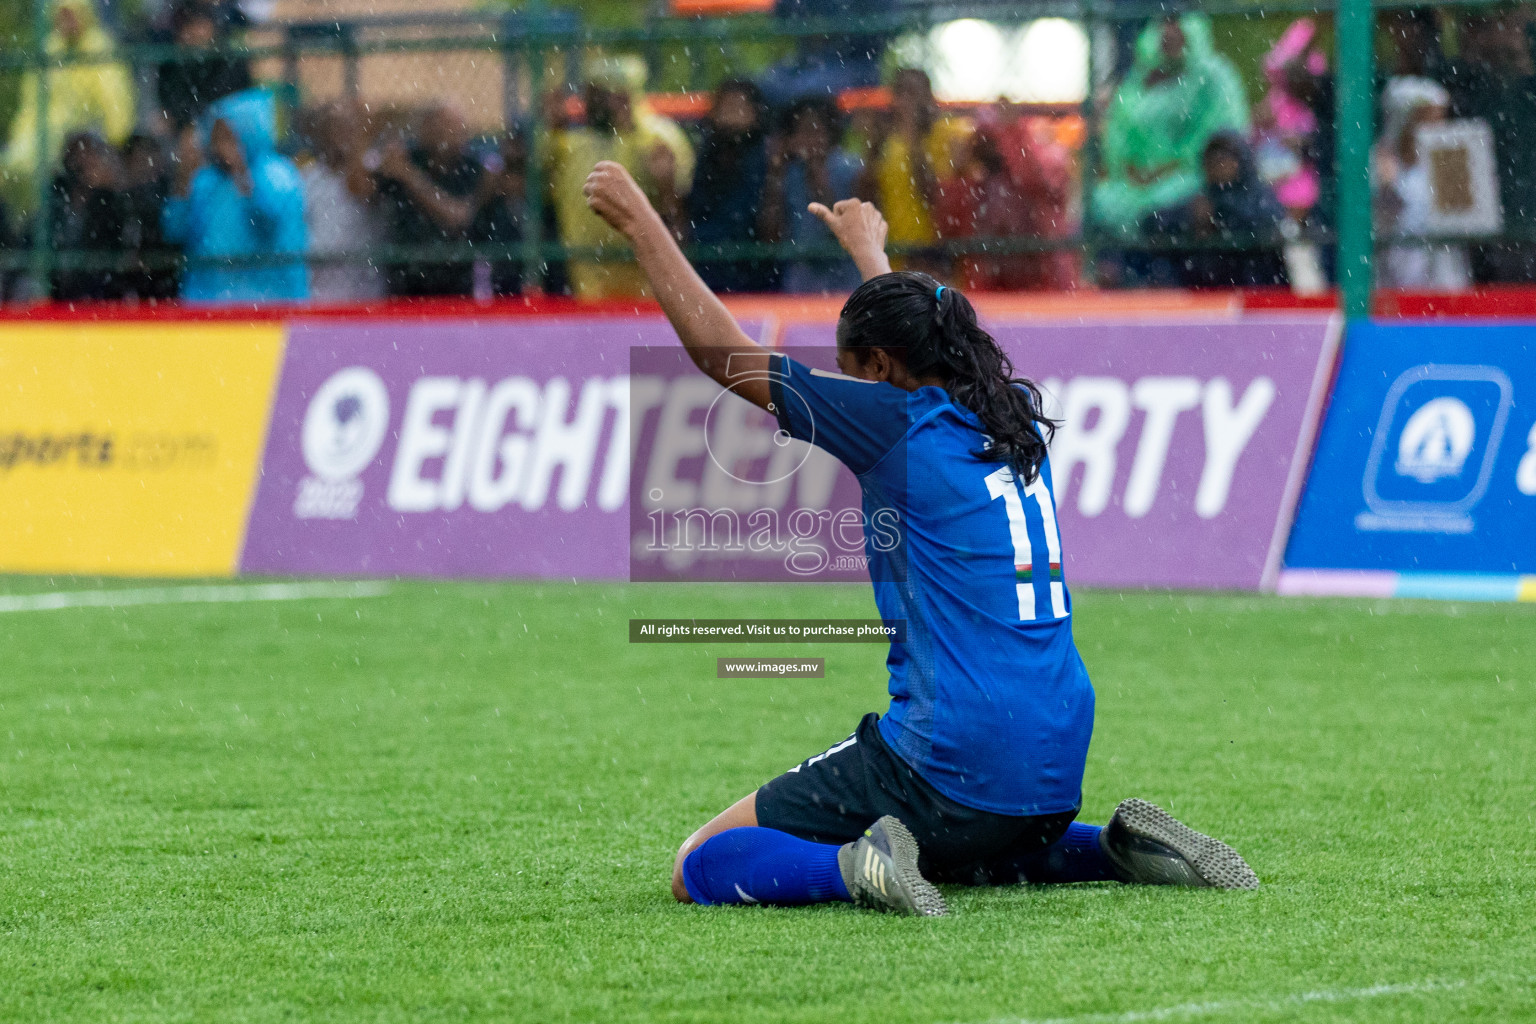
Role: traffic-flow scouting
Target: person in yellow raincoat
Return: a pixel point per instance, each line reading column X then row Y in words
column 88, row 90
column 908, row 163
column 620, row 127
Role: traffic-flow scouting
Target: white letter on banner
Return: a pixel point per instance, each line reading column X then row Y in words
column 1162, row 399
column 466, row 431
column 678, row 439
column 571, row 446
column 1095, row 447
column 420, row 440
column 490, row 491
column 1525, row 473
column 1227, row 432
column 614, row 486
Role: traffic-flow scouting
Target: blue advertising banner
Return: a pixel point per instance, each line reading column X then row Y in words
column 1427, row 458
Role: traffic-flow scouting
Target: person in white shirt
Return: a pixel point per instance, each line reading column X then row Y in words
column 1405, row 193
column 338, row 205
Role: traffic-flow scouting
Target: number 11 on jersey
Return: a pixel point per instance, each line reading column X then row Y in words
column 1003, row 484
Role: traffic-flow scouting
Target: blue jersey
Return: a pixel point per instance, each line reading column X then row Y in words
column 990, row 702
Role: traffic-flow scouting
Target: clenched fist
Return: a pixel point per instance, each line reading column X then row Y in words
column 613, row 195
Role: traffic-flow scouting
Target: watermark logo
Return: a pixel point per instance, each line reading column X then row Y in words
column 720, row 490
column 344, row 428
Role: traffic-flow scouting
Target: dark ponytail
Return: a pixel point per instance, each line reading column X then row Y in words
column 933, row 328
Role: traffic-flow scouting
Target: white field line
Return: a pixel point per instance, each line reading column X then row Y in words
column 221, row 594
column 1185, row 1011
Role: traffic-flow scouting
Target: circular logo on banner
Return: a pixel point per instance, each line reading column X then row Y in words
column 345, row 424
column 1436, row 440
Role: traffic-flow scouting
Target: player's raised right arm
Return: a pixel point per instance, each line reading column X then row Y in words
column 706, row 328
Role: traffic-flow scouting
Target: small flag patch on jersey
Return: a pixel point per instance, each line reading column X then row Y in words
column 1026, row 573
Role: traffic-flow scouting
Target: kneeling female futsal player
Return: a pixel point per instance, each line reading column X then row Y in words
column 974, row 775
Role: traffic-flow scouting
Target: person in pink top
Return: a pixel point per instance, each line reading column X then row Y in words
column 1282, row 123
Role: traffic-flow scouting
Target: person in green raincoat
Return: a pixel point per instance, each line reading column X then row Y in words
column 1178, row 93
column 89, row 90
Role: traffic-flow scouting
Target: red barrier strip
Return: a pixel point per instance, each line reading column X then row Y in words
column 1493, row 301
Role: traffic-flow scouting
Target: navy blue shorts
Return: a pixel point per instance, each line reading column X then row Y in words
column 834, row 796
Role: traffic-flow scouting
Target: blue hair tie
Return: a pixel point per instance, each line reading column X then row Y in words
column 938, row 294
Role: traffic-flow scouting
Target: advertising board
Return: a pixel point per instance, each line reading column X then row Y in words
column 1427, row 459
column 501, row 447
column 131, row 448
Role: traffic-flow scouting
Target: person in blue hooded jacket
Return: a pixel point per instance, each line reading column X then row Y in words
column 245, row 203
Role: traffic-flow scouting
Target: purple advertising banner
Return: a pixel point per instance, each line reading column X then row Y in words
column 499, row 447
column 450, row 448
column 1182, row 446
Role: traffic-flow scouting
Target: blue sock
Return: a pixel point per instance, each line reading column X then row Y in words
column 1075, row 857
column 762, row 865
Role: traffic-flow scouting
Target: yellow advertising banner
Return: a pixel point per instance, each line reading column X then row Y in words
column 131, row 448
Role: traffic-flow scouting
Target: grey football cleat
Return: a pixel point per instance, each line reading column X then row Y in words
column 880, row 870
column 1149, row 846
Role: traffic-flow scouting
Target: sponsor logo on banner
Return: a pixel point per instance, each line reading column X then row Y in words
column 469, row 443
column 1434, row 448
column 464, row 443
column 130, row 448
column 1436, row 440
column 103, row 450
column 1095, row 415
column 344, row 428
column 493, row 448
column 1182, row 445
column 1427, row 461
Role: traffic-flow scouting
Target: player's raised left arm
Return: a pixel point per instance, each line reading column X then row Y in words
column 706, row 328
column 860, row 229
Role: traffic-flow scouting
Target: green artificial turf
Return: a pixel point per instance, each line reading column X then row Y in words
column 461, row 802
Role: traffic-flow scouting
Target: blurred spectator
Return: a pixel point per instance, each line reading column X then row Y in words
column 427, row 191
column 918, row 148
column 825, row 65
column 10, row 246
column 244, row 206
column 198, row 74
column 150, row 272
column 88, row 90
column 620, row 127
column 85, row 221
column 806, row 165
column 1496, row 81
column 1014, row 181
column 1178, row 94
column 339, row 210
column 1238, row 212
column 728, row 187
column 501, row 206
column 1414, row 35
column 1283, row 122
column 1405, row 193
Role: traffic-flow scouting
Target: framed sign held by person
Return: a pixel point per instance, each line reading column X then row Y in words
column 1463, row 176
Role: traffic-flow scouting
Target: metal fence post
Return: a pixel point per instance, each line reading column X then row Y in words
column 42, row 180
column 1088, row 156
column 1356, row 71
column 534, row 44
